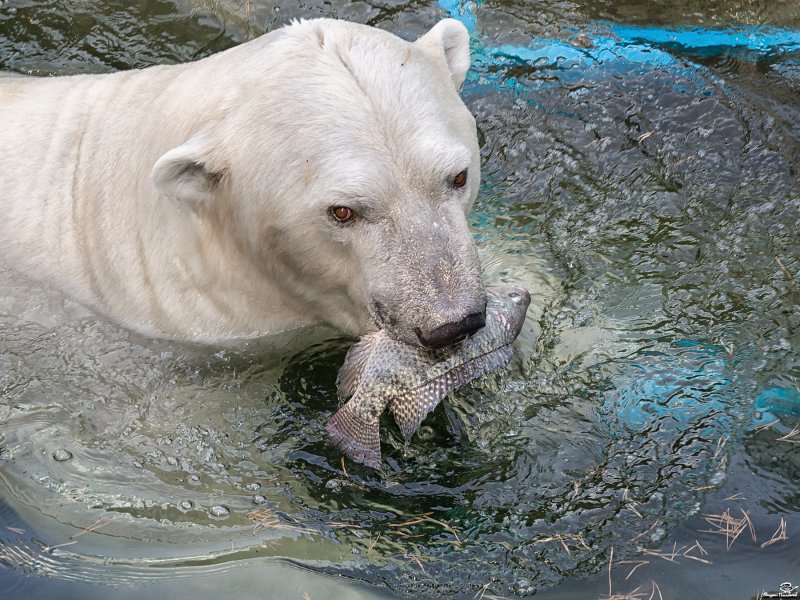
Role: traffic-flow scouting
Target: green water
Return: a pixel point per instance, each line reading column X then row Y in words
column 652, row 210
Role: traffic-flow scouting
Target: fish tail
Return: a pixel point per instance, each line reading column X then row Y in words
column 357, row 437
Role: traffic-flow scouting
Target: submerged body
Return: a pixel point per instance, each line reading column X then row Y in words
column 380, row 372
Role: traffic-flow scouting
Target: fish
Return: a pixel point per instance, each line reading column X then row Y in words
column 380, row 371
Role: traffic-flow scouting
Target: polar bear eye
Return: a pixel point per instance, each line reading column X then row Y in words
column 342, row 214
column 460, row 180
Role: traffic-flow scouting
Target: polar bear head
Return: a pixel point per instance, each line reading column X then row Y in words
column 343, row 163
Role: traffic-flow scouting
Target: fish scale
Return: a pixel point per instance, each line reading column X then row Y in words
column 380, row 371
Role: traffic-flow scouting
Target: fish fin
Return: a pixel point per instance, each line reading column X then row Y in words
column 350, row 373
column 358, row 437
column 411, row 409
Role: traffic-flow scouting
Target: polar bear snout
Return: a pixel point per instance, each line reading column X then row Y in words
column 450, row 333
column 428, row 330
column 432, row 321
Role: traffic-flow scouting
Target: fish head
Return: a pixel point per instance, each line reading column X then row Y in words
column 506, row 307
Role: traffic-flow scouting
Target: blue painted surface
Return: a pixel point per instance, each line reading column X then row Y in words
column 778, row 401
column 461, row 10
column 606, row 42
column 554, row 53
column 686, row 386
column 763, row 40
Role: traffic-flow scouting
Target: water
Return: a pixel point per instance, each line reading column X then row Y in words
column 645, row 190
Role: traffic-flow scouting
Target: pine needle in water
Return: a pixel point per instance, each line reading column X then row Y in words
column 778, row 536
column 729, row 526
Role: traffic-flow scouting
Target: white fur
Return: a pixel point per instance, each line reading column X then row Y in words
column 191, row 201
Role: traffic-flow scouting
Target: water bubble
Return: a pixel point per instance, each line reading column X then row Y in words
column 334, row 485
column 61, row 455
column 172, row 460
column 137, row 464
column 194, row 480
column 259, row 499
column 219, row 512
column 252, row 486
column 186, row 505
column 523, row 586
column 658, row 534
column 426, row 433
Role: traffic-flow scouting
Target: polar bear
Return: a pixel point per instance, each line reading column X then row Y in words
column 318, row 174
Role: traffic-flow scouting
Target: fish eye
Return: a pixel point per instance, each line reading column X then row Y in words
column 460, row 180
column 515, row 297
column 342, row 214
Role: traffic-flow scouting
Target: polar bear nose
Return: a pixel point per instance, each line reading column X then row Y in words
column 450, row 333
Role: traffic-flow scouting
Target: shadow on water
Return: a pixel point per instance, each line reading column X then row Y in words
column 645, row 191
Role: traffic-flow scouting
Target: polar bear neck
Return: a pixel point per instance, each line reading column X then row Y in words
column 109, row 240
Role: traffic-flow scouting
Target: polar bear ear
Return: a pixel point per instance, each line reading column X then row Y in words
column 184, row 173
column 451, row 38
